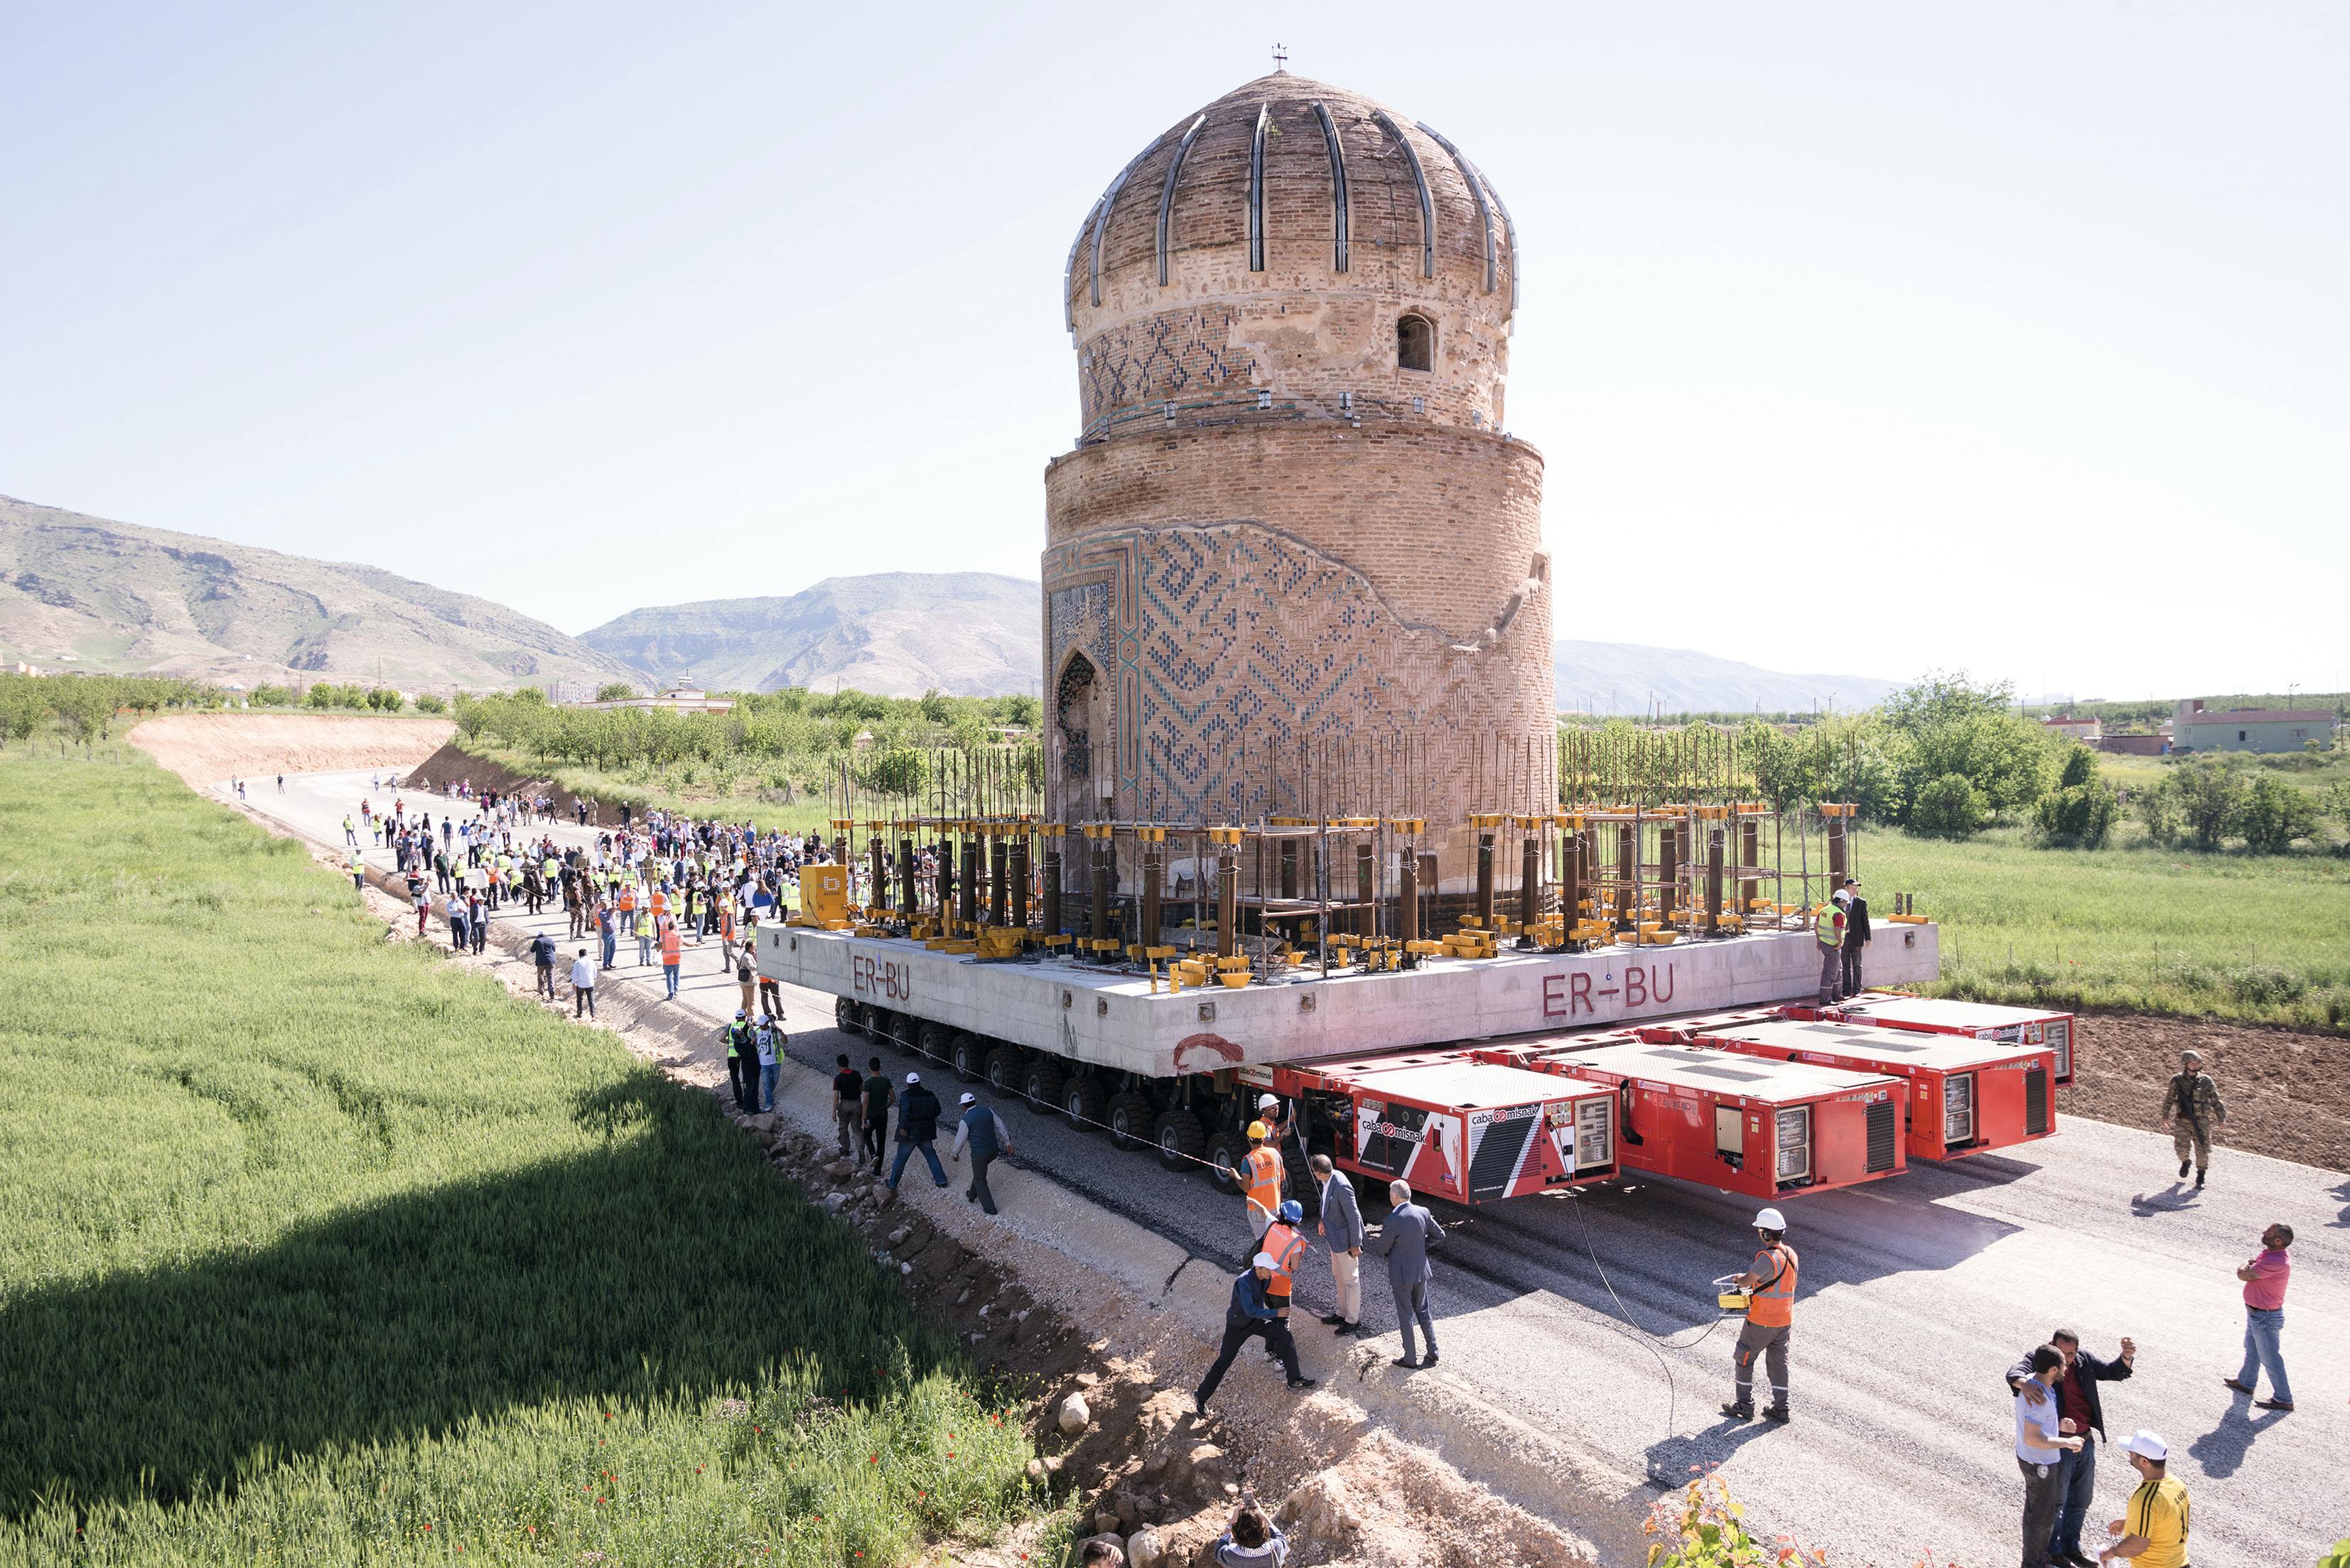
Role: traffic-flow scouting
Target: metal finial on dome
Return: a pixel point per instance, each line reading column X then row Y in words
column 1279, row 59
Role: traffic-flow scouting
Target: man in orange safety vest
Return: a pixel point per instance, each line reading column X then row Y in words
column 1771, row 1287
column 1261, row 1178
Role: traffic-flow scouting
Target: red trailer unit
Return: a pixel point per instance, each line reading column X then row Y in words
column 1941, row 1016
column 1455, row 1128
column 1768, row 1129
column 1965, row 1095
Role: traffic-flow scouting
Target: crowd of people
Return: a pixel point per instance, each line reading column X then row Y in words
column 669, row 881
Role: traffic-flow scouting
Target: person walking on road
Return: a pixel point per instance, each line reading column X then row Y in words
column 1404, row 1241
column 671, row 955
column 1261, row 1178
column 608, row 934
column 2265, row 1277
column 988, row 1138
column 2193, row 1110
column 2078, row 1404
column 358, row 873
column 1250, row 1314
column 2152, row 1530
column 542, row 958
column 423, row 907
column 1827, row 926
column 2040, row 1444
column 848, row 1104
column 878, row 1097
column 477, row 922
column 583, row 985
column 746, row 975
column 1770, row 1320
column 644, row 936
column 1341, row 1230
column 350, row 832
column 1856, row 935
column 918, row 1128
column 741, row 1062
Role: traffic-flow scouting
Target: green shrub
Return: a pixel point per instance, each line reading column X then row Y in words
column 2210, row 796
column 2080, row 768
column 428, row 703
column 2079, row 816
column 614, row 692
column 1949, row 806
column 2274, row 813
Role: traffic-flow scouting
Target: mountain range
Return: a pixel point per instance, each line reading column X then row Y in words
column 98, row 595
column 968, row 634
column 80, row 592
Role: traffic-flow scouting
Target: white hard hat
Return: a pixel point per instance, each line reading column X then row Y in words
column 1770, row 1219
column 1264, row 1100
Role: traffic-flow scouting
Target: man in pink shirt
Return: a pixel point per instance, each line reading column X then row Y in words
column 2265, row 1278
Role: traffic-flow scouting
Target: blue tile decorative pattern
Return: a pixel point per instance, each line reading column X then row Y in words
column 1162, row 357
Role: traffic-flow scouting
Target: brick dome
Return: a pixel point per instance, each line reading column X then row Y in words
column 1293, row 250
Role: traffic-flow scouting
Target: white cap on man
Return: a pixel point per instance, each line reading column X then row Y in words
column 969, row 1098
column 2146, row 1444
column 1263, row 1261
column 914, row 1078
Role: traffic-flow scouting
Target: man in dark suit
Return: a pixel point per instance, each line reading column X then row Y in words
column 1404, row 1241
column 1341, row 1228
column 1856, row 933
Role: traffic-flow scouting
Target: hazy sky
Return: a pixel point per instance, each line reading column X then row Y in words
column 2009, row 337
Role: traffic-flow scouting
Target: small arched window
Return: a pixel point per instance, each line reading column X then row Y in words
column 1415, row 343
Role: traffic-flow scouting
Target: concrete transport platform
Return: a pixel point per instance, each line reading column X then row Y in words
column 1115, row 1020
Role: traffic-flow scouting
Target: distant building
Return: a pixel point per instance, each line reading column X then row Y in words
column 2195, row 728
column 677, row 700
column 2088, row 732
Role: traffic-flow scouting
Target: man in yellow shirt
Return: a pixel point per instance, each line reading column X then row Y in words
column 2152, row 1530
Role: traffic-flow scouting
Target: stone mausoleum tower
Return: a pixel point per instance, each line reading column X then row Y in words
column 1293, row 564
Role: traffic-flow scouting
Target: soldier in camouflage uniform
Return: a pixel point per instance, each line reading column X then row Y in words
column 2193, row 1111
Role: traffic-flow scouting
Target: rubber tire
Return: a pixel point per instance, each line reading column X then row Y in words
column 935, row 1038
column 848, row 1015
column 877, row 1024
column 1003, row 1070
column 1083, row 1105
column 907, row 1031
column 1040, row 1083
column 1134, row 1114
column 967, row 1054
column 1226, row 1148
column 1179, row 1140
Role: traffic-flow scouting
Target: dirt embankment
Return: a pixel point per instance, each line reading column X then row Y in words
column 452, row 765
column 2288, row 1092
column 205, row 748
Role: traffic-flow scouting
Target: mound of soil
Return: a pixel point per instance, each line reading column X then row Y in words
column 453, row 764
column 206, row 748
column 2288, row 1091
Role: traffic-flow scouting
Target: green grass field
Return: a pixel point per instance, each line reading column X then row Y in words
column 314, row 1248
column 2258, row 937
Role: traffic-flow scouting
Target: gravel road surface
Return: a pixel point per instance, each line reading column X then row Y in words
column 1592, row 1318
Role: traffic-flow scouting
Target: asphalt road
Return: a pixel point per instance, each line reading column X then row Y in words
column 1917, row 1291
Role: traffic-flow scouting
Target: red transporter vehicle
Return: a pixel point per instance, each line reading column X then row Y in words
column 1965, row 1095
column 1768, row 1129
column 1941, row 1015
column 1454, row 1128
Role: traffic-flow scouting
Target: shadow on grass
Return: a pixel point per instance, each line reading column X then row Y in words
column 664, row 1263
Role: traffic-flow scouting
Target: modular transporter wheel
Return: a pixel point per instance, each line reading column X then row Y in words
column 848, row 1014
column 968, row 1056
column 1083, row 1102
column 1003, row 1070
column 937, row 1040
column 1040, row 1082
column 1132, row 1122
column 1181, row 1142
column 1226, row 1149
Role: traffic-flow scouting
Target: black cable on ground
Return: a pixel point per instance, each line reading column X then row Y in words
column 1647, row 1339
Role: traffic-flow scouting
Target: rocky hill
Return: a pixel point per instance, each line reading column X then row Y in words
column 1624, row 678
column 968, row 634
column 85, row 593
